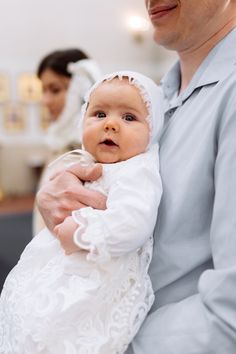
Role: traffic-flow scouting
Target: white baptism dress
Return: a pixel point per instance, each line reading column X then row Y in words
column 93, row 301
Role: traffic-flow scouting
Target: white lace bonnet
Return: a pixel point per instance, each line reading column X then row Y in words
column 152, row 97
column 150, row 92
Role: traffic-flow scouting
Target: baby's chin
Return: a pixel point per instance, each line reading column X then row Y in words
column 112, row 159
column 108, row 158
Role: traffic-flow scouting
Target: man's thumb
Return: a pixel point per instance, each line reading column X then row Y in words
column 86, row 173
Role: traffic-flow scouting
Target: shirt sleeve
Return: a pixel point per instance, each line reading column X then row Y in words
column 205, row 323
column 130, row 216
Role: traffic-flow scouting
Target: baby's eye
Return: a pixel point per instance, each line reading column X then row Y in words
column 129, row 117
column 100, row 114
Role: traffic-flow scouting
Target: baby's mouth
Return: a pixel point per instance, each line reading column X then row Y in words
column 109, row 142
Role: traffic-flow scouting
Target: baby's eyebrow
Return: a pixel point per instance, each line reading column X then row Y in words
column 96, row 106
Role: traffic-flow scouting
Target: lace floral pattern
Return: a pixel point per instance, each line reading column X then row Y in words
column 57, row 304
column 68, row 306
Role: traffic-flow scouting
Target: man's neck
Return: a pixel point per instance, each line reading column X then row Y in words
column 190, row 60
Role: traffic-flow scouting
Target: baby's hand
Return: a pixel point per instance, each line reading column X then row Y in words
column 64, row 232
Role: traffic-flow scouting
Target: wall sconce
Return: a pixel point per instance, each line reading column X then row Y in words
column 138, row 26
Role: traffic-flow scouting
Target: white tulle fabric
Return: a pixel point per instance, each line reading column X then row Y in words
column 93, row 301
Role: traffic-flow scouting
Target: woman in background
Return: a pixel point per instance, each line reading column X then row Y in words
column 55, row 78
column 66, row 76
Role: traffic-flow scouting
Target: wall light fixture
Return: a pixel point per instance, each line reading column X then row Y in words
column 138, row 26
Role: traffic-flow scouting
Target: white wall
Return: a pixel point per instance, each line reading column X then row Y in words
column 31, row 28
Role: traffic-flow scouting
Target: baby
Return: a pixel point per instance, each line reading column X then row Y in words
column 86, row 289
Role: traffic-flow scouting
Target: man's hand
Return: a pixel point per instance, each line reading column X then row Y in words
column 64, row 192
column 64, row 232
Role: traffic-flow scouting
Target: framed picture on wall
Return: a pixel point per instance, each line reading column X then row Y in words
column 14, row 117
column 4, row 87
column 29, row 88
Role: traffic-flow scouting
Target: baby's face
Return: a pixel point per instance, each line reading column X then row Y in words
column 115, row 125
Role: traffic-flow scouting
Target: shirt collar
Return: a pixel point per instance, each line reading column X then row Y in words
column 210, row 71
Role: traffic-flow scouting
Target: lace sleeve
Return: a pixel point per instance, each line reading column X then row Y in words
column 129, row 219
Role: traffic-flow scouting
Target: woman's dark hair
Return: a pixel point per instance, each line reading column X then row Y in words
column 58, row 60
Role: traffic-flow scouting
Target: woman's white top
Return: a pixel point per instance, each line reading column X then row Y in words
column 95, row 300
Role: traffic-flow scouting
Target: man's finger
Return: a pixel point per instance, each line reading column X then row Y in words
column 91, row 198
column 86, row 173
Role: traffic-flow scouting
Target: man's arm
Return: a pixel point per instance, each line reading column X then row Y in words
column 64, row 192
column 205, row 323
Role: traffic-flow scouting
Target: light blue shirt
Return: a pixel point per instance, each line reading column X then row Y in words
column 193, row 270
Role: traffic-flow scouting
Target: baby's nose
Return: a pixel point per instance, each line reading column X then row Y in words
column 112, row 125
